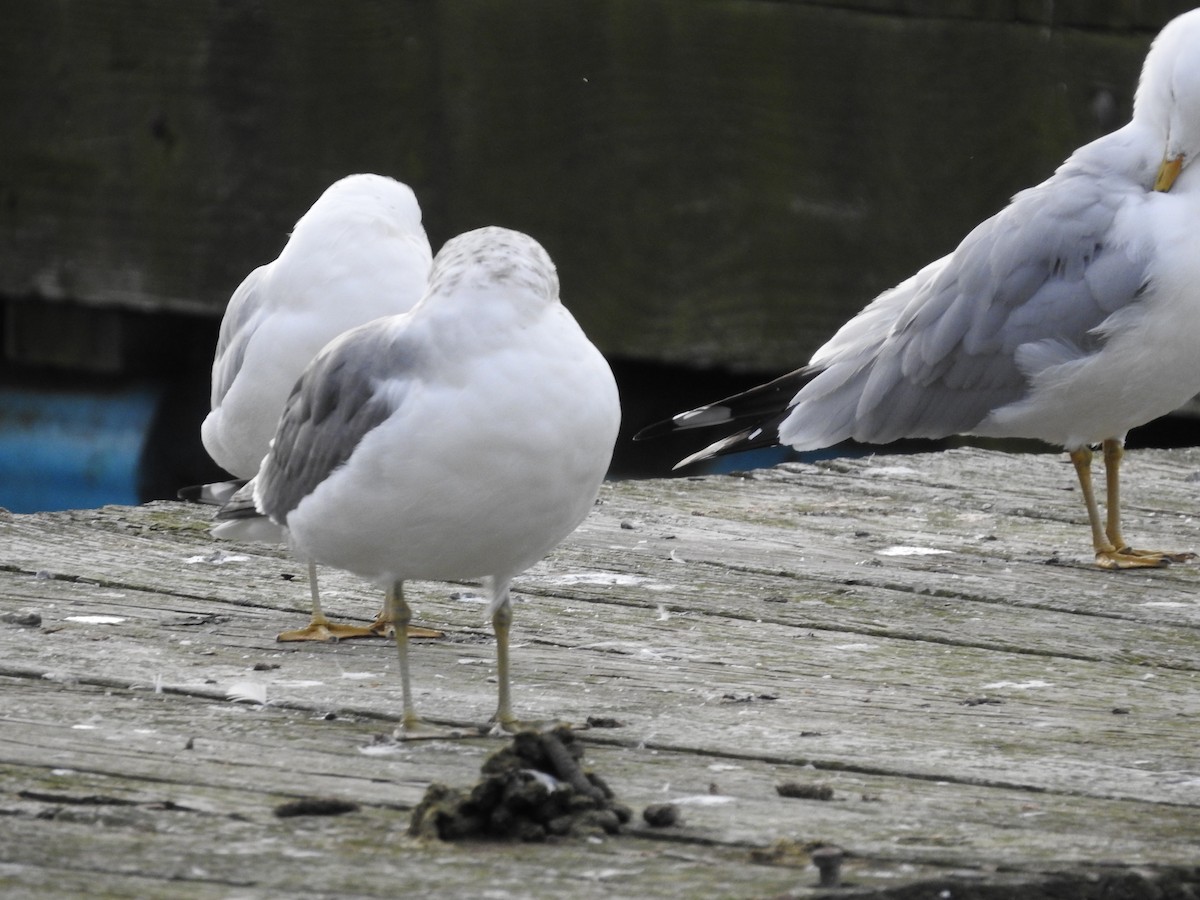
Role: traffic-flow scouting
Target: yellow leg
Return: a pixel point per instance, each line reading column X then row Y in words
column 501, row 625
column 412, row 727
column 1082, row 458
column 320, row 628
column 1114, row 452
column 1112, row 552
column 504, row 720
column 382, row 626
column 401, row 614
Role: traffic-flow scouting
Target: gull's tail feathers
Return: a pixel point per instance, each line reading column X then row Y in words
column 216, row 493
column 759, row 411
column 239, row 520
column 758, row 403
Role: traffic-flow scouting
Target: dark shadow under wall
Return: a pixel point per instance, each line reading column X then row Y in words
column 58, row 432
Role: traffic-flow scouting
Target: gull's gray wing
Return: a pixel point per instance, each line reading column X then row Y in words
column 239, row 504
column 351, row 387
column 1040, row 278
column 1028, row 288
column 243, row 315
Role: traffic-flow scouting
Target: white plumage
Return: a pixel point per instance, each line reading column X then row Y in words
column 464, row 439
column 1071, row 316
column 359, row 253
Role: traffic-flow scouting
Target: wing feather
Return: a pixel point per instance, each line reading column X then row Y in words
column 1042, row 281
column 243, row 315
column 1045, row 269
column 352, row 386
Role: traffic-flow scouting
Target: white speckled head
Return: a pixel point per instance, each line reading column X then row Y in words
column 494, row 257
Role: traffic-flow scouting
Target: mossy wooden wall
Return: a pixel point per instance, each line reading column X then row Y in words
column 720, row 182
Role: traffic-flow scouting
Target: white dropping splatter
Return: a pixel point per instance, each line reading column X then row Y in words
column 216, row 558
column 358, row 676
column 1018, row 685
column 291, row 853
column 97, row 620
column 901, row 550
column 890, row 470
column 703, row 800
column 383, row 749
column 608, row 874
column 596, row 578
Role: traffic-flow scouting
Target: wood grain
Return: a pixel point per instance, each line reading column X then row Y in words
column 997, row 715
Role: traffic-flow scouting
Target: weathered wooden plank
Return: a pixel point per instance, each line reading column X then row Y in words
column 980, row 715
column 1042, row 702
column 243, row 762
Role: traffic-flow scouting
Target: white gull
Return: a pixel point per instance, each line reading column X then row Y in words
column 359, row 253
column 1070, row 316
column 464, row 439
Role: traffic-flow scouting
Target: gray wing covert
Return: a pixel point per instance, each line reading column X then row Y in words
column 243, row 315
column 338, row 399
column 1042, row 271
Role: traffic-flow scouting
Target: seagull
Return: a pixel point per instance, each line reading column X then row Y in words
column 464, row 439
column 1070, row 316
column 358, row 254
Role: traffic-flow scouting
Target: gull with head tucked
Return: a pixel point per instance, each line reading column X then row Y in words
column 1070, row 316
column 464, row 439
column 359, row 253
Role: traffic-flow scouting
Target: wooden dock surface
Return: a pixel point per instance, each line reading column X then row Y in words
column 924, row 636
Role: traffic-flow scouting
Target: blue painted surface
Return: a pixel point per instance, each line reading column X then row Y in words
column 767, row 457
column 72, row 449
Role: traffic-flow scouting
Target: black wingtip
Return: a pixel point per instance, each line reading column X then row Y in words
column 700, row 417
column 762, row 403
column 755, row 437
column 655, row 430
column 232, row 512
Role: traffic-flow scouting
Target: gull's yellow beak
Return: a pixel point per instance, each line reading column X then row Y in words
column 1167, row 173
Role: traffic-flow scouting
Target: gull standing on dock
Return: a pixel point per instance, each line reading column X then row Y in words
column 359, row 253
column 464, row 439
column 1070, row 316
